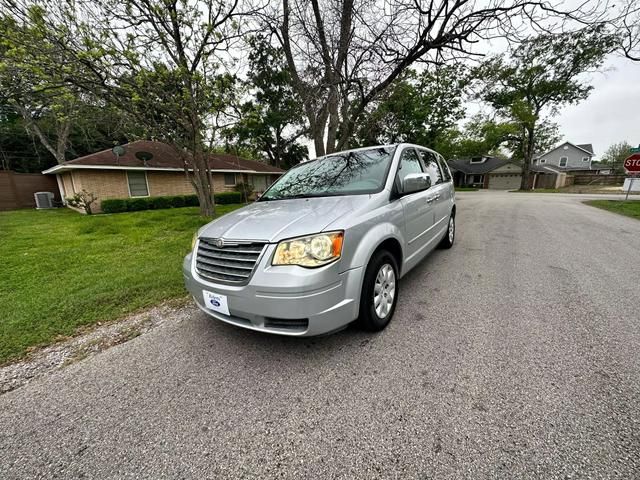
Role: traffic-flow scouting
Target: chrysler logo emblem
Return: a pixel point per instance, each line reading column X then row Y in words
column 219, row 242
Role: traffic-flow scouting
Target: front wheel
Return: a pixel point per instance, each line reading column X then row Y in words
column 450, row 236
column 379, row 292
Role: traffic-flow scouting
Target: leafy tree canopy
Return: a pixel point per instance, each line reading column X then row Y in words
column 272, row 122
column 417, row 108
column 542, row 75
column 616, row 154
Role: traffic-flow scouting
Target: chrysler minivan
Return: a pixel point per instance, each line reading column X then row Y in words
column 326, row 244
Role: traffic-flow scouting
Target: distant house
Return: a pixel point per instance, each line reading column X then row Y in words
column 570, row 158
column 486, row 172
column 149, row 168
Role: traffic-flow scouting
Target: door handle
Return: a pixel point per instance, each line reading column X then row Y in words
column 430, row 199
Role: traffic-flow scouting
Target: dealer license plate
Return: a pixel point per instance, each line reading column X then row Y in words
column 216, row 302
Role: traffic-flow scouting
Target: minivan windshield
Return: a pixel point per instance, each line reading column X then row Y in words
column 348, row 173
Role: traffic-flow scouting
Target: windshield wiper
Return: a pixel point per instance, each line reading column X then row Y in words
column 298, row 195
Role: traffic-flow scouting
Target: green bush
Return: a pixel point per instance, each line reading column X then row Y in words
column 226, row 198
column 117, row 205
column 191, row 201
column 114, row 205
column 136, row 204
column 245, row 189
column 159, row 203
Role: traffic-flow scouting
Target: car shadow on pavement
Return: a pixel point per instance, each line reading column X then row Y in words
column 349, row 341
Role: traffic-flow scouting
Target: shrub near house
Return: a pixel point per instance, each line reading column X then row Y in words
column 118, row 205
column 151, row 169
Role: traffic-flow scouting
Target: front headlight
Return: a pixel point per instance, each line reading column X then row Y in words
column 310, row 251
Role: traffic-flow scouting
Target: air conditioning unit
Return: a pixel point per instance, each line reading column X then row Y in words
column 44, row 200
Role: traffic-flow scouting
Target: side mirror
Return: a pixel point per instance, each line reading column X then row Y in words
column 416, row 182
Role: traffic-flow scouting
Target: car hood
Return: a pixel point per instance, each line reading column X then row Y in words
column 278, row 219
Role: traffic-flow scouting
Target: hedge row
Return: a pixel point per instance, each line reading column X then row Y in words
column 117, row 205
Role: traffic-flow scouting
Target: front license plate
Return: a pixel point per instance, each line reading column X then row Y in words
column 216, row 302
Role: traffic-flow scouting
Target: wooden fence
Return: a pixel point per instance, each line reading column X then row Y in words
column 591, row 179
column 543, row 180
column 17, row 189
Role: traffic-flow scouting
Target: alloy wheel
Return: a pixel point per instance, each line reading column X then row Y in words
column 384, row 291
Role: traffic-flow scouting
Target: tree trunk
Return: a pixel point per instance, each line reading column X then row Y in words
column 317, row 133
column 62, row 131
column 279, row 149
column 199, row 174
column 528, row 156
column 204, row 188
column 334, row 121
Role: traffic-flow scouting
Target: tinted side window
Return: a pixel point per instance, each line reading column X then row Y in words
column 431, row 166
column 446, row 173
column 409, row 163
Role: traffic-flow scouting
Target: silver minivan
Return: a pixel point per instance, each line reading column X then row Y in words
column 326, row 244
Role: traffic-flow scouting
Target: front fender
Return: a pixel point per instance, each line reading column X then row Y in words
column 372, row 239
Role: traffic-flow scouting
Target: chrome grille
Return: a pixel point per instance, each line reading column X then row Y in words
column 230, row 263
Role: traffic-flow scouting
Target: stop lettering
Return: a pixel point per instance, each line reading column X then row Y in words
column 632, row 163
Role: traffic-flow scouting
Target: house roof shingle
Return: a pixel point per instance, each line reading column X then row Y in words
column 586, row 146
column 464, row 165
column 163, row 157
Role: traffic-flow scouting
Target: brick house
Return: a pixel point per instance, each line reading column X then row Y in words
column 154, row 169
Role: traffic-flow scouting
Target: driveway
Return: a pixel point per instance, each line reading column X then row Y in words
column 516, row 354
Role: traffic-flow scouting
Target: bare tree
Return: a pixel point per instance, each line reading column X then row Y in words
column 343, row 54
column 627, row 25
column 161, row 60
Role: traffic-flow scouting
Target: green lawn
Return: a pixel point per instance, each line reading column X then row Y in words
column 629, row 208
column 61, row 270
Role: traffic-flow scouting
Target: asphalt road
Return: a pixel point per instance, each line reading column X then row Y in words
column 516, row 354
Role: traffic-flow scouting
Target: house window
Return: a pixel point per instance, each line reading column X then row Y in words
column 543, row 160
column 259, row 182
column 563, row 161
column 585, row 159
column 478, row 159
column 229, row 179
column 138, row 186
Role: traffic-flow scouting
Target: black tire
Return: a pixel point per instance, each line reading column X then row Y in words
column 450, row 235
column 369, row 318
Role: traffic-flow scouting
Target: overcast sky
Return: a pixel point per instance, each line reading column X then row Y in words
column 611, row 113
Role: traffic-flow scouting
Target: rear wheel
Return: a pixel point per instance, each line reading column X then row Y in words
column 379, row 292
column 450, row 236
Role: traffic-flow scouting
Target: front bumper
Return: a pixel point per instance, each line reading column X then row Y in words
column 286, row 300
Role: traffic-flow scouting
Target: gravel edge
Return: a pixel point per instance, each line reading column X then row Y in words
column 87, row 342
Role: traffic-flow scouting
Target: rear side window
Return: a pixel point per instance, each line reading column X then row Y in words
column 431, row 166
column 446, row 174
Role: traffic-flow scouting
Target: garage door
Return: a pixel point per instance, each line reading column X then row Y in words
column 505, row 181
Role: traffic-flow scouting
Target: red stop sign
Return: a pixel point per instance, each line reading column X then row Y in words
column 632, row 163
